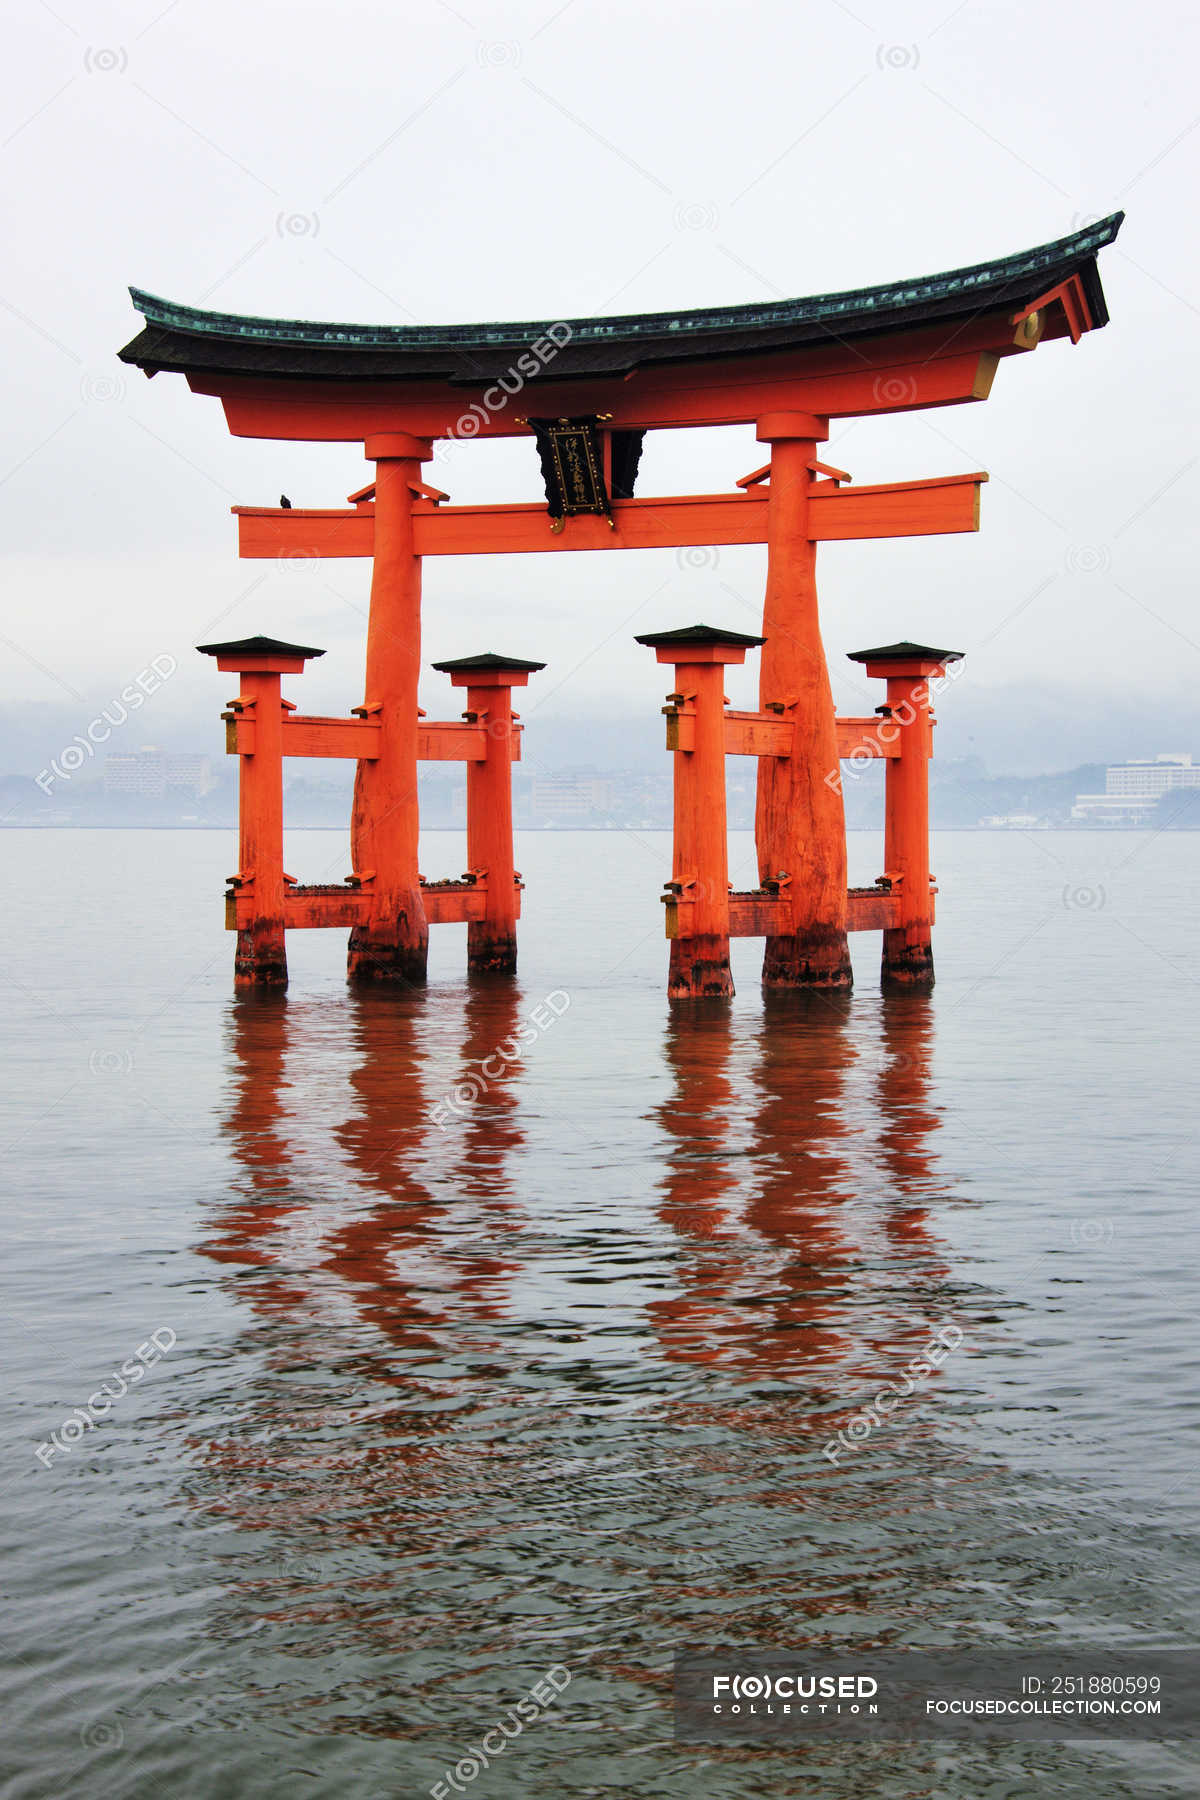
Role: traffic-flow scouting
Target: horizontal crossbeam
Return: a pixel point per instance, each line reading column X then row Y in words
column 771, row 734
column 315, row 908
column 438, row 740
column 895, row 372
column 746, row 733
column 948, row 503
column 859, row 738
column 769, row 915
column 758, row 915
column 758, row 734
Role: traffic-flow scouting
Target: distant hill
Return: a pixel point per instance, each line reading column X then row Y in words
column 962, row 793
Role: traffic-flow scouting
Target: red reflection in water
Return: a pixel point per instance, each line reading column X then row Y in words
column 908, row 1118
column 261, row 1132
column 355, row 1192
column 413, row 1254
column 416, row 1262
column 772, row 1190
column 789, row 1201
column 755, row 1152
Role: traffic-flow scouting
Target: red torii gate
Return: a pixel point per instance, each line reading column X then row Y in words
column 787, row 367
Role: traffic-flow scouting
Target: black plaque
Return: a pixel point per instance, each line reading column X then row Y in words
column 572, row 460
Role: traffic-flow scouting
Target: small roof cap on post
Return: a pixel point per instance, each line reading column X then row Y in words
column 699, row 644
column 488, row 670
column 489, row 660
column 260, row 655
column 904, row 652
column 697, row 634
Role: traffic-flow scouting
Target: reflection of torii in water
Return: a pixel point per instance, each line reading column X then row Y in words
column 262, row 1134
column 400, row 1435
column 386, row 1254
column 383, row 1226
column 393, row 1154
column 764, row 1142
column 775, row 1147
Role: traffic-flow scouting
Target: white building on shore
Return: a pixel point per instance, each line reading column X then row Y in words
column 1133, row 789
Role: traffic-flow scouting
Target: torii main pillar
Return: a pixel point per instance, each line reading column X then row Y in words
column 800, row 820
column 393, row 944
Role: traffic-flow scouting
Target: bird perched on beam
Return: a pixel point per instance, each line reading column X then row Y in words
column 285, row 503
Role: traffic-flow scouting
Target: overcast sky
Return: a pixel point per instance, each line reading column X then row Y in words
column 438, row 162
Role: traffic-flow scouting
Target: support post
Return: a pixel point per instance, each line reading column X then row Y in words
column 489, row 681
column 261, row 957
column 907, row 720
column 698, row 893
column 800, row 821
column 393, row 943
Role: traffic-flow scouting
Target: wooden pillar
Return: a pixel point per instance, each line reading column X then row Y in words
column 393, row 942
column 261, row 956
column 256, row 725
column 698, row 894
column 489, row 681
column 907, row 721
column 799, row 823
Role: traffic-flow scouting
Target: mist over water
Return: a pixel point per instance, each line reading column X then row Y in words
column 503, row 1346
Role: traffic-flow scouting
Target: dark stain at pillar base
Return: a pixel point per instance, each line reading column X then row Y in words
column 372, row 959
column 493, row 954
column 808, row 960
column 260, row 960
column 905, row 965
column 699, row 969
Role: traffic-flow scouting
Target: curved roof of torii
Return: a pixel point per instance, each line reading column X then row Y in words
column 190, row 341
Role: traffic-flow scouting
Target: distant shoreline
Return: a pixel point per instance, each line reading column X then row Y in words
column 665, row 830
